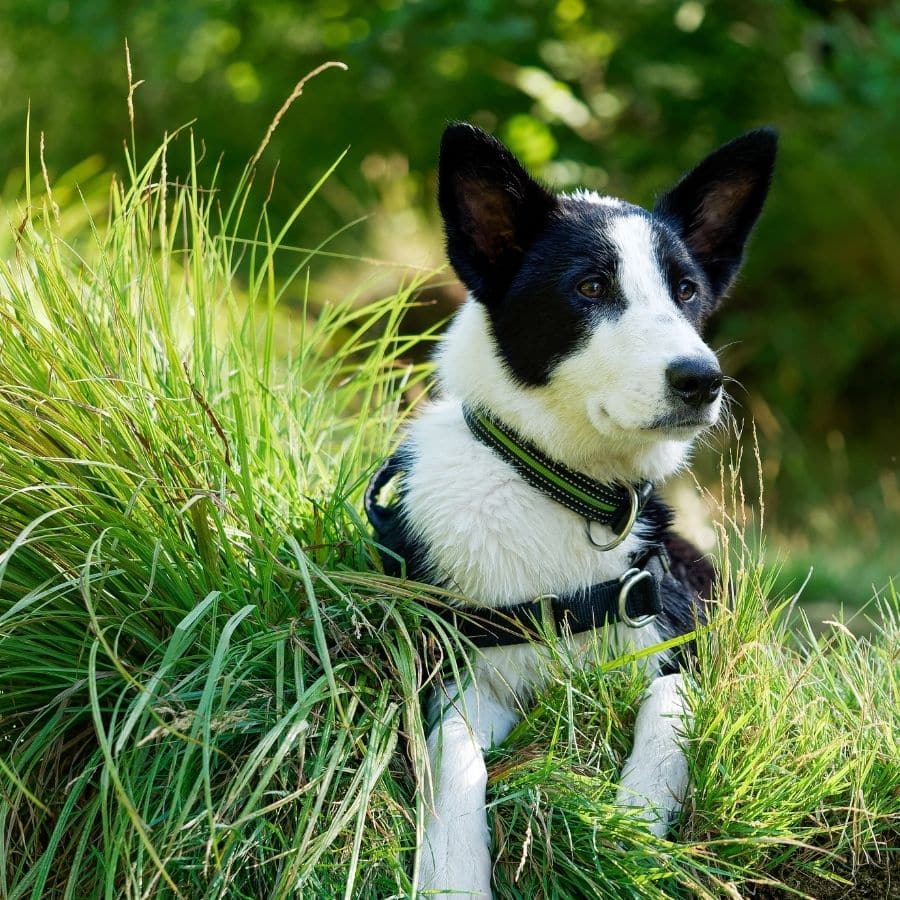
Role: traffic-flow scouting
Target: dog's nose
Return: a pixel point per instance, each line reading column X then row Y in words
column 697, row 381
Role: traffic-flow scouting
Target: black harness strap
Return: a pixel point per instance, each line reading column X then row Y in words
column 596, row 607
column 634, row 598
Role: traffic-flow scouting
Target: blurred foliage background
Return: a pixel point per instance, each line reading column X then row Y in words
column 617, row 97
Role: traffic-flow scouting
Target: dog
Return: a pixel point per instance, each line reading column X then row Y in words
column 573, row 380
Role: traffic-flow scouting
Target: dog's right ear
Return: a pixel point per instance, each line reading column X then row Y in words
column 492, row 209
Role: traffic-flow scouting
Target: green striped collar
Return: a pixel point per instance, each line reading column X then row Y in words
column 596, row 501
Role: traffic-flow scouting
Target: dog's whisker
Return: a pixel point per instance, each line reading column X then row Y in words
column 729, row 379
column 720, row 350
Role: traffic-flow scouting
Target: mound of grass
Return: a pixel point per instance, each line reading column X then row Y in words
column 208, row 689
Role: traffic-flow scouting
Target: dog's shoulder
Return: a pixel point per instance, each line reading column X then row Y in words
column 690, row 566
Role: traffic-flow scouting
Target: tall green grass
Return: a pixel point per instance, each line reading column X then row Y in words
column 208, row 689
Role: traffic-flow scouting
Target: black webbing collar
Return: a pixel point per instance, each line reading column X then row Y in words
column 613, row 505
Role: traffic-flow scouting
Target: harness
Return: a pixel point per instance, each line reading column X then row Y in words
column 633, row 598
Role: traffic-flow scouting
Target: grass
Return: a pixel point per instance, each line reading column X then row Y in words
column 208, row 689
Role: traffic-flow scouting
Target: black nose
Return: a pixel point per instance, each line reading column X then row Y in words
column 696, row 381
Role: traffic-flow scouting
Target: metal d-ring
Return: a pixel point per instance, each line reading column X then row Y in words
column 629, row 579
column 632, row 518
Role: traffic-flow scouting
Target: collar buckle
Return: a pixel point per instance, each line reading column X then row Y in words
column 628, row 580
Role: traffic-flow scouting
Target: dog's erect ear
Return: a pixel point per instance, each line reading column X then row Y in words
column 715, row 206
column 493, row 210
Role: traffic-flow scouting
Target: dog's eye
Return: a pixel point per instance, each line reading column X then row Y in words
column 592, row 288
column 686, row 290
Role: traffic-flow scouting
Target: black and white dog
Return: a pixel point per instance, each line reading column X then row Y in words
column 573, row 380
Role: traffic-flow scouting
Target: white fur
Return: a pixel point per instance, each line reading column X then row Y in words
column 456, row 854
column 497, row 541
column 585, row 195
column 655, row 778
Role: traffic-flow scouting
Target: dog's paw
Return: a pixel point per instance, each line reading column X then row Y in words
column 452, row 868
column 658, row 818
column 657, row 821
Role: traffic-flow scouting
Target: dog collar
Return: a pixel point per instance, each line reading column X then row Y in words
column 614, row 505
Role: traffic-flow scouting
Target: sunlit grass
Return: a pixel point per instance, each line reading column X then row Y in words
column 208, row 689
column 792, row 752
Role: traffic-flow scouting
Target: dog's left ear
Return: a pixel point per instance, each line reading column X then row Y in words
column 492, row 209
column 715, row 206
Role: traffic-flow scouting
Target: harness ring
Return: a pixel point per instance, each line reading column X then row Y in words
column 629, row 579
column 632, row 518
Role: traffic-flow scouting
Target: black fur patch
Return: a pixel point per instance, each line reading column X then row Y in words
column 542, row 318
column 714, row 207
column 676, row 263
column 492, row 209
column 687, row 587
column 403, row 555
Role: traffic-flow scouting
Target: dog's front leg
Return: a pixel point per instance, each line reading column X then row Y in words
column 456, row 851
column 655, row 777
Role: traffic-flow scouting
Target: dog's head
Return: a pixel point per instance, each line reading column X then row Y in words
column 585, row 313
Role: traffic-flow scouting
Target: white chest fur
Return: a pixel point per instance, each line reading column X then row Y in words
column 494, row 537
column 498, row 541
